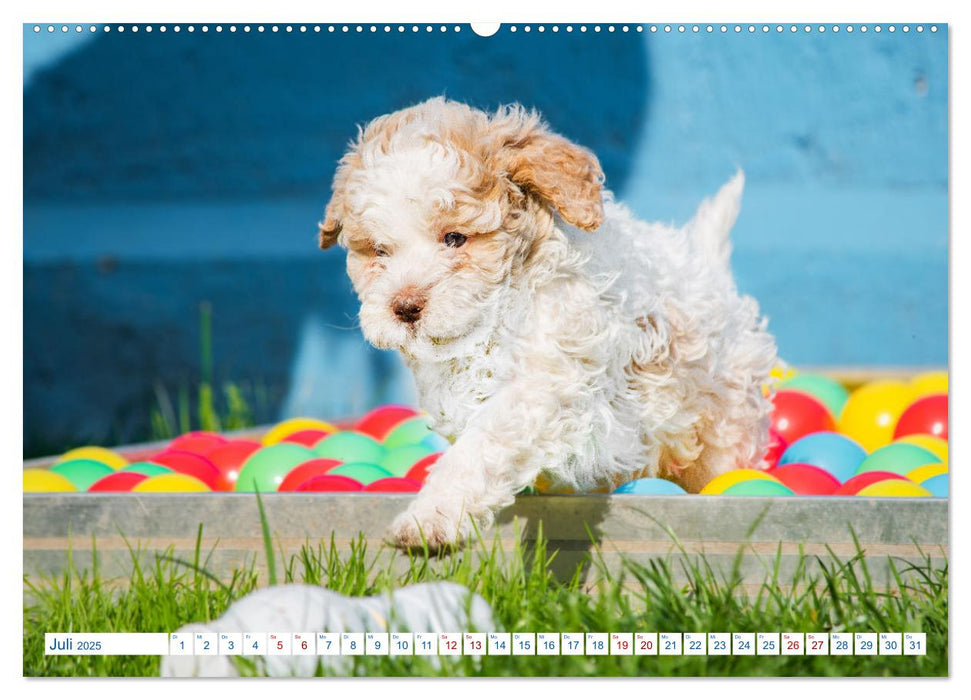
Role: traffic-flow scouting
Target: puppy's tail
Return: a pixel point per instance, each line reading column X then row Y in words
column 711, row 225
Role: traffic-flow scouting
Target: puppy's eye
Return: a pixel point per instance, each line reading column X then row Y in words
column 454, row 240
column 379, row 251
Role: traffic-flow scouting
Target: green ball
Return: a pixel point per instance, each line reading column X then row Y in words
column 361, row 472
column 82, row 472
column 758, row 487
column 350, row 446
column 146, row 468
column 264, row 469
column 830, row 392
column 399, row 460
column 897, row 457
column 409, row 432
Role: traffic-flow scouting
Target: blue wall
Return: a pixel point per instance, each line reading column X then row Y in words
column 164, row 170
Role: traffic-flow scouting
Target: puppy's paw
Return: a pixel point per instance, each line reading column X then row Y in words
column 430, row 526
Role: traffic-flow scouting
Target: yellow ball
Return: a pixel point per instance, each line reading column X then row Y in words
column 898, row 488
column 870, row 414
column 922, row 474
column 931, row 443
column 295, row 425
column 98, row 454
column 170, row 483
column 929, row 383
column 43, row 481
column 728, row 479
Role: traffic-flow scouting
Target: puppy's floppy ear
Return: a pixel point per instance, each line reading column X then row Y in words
column 565, row 176
column 330, row 227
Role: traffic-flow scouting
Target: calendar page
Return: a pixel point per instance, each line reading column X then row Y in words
column 543, row 349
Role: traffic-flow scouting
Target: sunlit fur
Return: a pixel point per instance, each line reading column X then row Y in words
column 565, row 337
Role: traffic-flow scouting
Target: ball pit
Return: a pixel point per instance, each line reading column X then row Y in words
column 796, row 414
column 886, row 438
column 836, row 454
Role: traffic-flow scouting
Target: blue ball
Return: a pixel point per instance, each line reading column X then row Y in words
column 937, row 485
column 831, row 452
column 651, row 487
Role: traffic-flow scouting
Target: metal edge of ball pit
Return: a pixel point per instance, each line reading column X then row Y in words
column 622, row 528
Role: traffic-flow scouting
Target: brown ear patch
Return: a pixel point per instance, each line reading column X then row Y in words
column 330, row 227
column 565, row 176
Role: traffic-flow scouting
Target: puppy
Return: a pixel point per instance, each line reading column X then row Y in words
column 549, row 331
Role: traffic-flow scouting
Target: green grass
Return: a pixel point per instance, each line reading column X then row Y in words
column 526, row 596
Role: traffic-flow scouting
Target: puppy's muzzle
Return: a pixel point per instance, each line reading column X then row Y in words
column 407, row 306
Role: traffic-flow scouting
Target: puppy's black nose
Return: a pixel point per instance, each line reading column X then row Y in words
column 407, row 307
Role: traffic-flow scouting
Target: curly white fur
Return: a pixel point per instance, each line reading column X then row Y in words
column 590, row 352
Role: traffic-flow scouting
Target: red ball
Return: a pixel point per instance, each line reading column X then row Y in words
column 302, row 473
column 926, row 416
column 419, row 470
column 795, row 414
column 777, row 446
column 200, row 442
column 805, row 479
column 330, row 482
column 393, row 484
column 229, row 458
column 860, row 481
column 119, row 481
column 307, row 438
column 383, row 419
column 190, row 463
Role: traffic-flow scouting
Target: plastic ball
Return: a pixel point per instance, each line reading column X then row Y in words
column 650, row 487
column 229, row 458
column 307, row 438
column 82, row 472
column 350, row 446
column 302, row 473
column 200, row 442
column 795, row 414
column 805, row 479
column 393, row 485
column 409, row 432
column 361, row 472
column 295, row 425
column 46, row 481
column 831, row 452
column 119, row 481
column 190, row 464
column 401, row 459
column 724, row 481
column 925, row 416
column 383, row 419
column 929, row 383
column 435, row 442
column 900, row 458
column 265, row 469
column 928, row 442
column 146, row 468
column 828, row 391
column 871, row 412
column 899, row 488
column 782, row 372
column 928, row 471
column 756, row 487
column 937, row 485
column 860, row 481
column 171, row 483
column 329, row 483
column 777, row 447
column 419, row 471
column 97, row 454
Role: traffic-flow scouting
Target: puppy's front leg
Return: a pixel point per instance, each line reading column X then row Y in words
column 502, row 452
